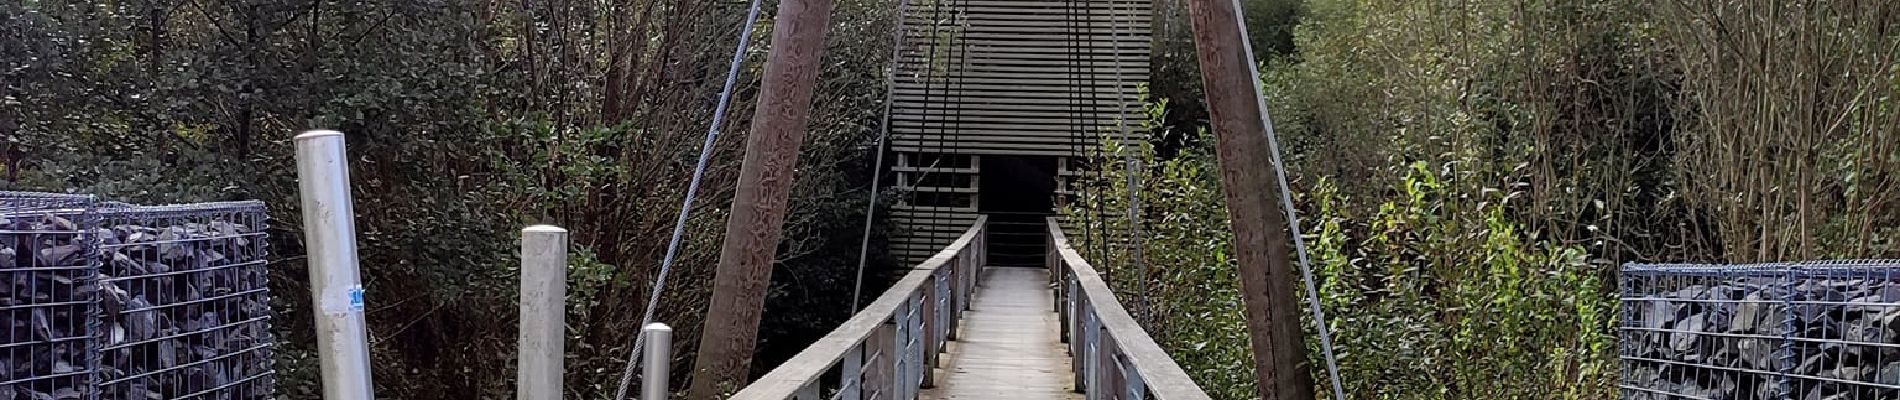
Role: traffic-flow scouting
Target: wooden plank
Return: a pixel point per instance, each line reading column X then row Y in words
column 1066, row 64
column 1106, row 35
column 937, row 170
column 937, row 228
column 922, row 41
column 1045, row 122
column 1085, row 97
column 928, row 209
column 953, row 125
column 1048, row 151
column 1002, row 148
column 1058, row 146
column 988, row 50
column 940, row 113
column 1007, row 346
column 1023, row 73
column 1056, row 108
column 961, row 219
column 1090, row 81
column 1062, row 60
column 952, row 114
column 1058, row 10
column 1004, row 86
column 1052, row 3
column 1097, row 101
column 1013, row 133
column 1083, row 101
column 1099, row 19
column 1044, row 40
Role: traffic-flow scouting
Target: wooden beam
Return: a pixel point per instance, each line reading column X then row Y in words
column 758, row 207
column 1261, row 241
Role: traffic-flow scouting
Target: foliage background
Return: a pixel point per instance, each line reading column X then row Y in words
column 1471, row 173
column 467, row 120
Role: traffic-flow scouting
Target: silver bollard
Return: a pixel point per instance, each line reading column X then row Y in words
column 543, row 313
column 329, row 222
column 659, row 361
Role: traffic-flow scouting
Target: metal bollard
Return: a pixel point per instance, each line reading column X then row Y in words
column 659, row 362
column 543, row 313
column 329, row 219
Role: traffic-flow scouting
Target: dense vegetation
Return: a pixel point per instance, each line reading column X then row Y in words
column 1470, row 172
column 1473, row 172
column 467, row 120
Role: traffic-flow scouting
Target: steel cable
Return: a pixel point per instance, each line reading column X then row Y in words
column 692, row 192
column 1292, row 214
column 884, row 130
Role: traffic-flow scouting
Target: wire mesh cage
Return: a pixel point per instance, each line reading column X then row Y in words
column 186, row 302
column 1826, row 330
column 49, row 260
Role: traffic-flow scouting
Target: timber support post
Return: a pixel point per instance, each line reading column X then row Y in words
column 758, row 207
column 1240, row 125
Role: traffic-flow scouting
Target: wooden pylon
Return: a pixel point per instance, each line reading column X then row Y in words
column 758, row 207
column 1267, row 279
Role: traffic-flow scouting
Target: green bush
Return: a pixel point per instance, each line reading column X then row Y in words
column 1427, row 300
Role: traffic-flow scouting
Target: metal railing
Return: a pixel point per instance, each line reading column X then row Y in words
column 1114, row 357
column 887, row 350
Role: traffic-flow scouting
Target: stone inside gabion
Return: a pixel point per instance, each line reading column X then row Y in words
column 1834, row 338
column 186, row 309
column 46, row 299
column 132, row 302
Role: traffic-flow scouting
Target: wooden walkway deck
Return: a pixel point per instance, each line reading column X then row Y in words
column 1009, row 345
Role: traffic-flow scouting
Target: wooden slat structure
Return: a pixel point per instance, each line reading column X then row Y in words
column 1040, row 82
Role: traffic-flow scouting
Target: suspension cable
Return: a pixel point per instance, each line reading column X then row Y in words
column 884, row 129
column 1089, row 92
column 692, row 193
column 1292, row 216
column 1132, row 168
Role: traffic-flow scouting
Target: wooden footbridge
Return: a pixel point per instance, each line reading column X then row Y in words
column 956, row 327
column 998, row 114
column 996, row 106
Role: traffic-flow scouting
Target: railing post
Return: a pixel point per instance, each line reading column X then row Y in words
column 955, row 308
column 1071, row 321
column 1137, row 388
column 931, row 322
column 1110, row 368
column 1066, row 290
column 1093, row 340
column 918, row 348
column 881, row 362
column 543, row 313
column 659, row 362
column 807, row 392
column 329, row 218
column 851, row 375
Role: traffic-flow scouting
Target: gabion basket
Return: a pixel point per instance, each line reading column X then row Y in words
column 49, row 260
column 186, row 302
column 1820, row 330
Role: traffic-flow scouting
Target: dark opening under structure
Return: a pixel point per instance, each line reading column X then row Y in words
column 994, row 105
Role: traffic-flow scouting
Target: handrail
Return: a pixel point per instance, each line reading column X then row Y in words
column 886, row 351
column 1114, row 351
